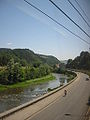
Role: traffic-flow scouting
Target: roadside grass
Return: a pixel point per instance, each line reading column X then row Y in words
column 28, row 82
column 87, row 72
column 71, row 77
column 3, row 87
column 84, row 71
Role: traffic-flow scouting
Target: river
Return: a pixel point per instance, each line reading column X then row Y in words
column 15, row 97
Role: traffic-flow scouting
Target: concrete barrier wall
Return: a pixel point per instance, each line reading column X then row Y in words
column 16, row 109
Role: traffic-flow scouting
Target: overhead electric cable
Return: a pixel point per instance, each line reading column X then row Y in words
column 69, row 18
column 55, row 21
column 78, row 12
column 82, row 10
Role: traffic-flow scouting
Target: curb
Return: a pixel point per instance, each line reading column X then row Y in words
column 13, row 110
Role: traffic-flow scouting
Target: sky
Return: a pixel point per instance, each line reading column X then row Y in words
column 21, row 26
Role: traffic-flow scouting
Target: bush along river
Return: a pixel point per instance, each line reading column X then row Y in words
column 14, row 97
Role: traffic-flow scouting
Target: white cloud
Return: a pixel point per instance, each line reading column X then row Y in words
column 9, row 43
column 60, row 31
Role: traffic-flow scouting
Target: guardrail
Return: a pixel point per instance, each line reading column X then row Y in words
column 16, row 109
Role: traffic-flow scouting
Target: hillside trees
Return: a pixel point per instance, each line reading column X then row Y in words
column 25, row 57
column 80, row 62
column 23, row 64
column 14, row 72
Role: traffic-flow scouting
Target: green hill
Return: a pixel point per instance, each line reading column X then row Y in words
column 80, row 62
column 50, row 60
column 24, row 57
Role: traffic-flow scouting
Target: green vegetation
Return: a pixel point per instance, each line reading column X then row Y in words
column 81, row 62
column 25, row 57
column 62, row 70
column 14, row 72
column 71, row 77
column 28, row 82
column 2, row 87
column 22, row 67
column 50, row 60
column 85, row 71
column 34, row 81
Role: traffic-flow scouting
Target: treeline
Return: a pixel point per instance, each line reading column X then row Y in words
column 80, row 62
column 63, row 70
column 14, row 72
column 19, row 65
column 25, row 57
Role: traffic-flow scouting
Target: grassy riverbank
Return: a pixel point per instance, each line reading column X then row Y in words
column 28, row 82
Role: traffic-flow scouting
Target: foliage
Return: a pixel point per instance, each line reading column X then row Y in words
column 3, row 77
column 15, row 73
column 25, row 57
column 80, row 62
column 50, row 60
column 62, row 70
column 23, row 64
column 28, row 82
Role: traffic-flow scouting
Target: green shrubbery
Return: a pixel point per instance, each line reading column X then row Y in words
column 71, row 75
column 81, row 62
column 14, row 72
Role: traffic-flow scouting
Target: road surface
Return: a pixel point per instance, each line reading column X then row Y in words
column 71, row 107
column 57, row 107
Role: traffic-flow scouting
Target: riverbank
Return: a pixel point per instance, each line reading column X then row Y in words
column 36, row 81
column 15, row 96
column 47, row 99
column 28, row 82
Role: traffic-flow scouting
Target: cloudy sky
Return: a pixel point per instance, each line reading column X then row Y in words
column 21, row 26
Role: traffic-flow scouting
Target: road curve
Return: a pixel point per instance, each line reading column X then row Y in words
column 58, row 107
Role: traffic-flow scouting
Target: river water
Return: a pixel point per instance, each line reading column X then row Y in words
column 15, row 97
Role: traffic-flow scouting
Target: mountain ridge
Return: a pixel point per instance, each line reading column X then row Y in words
column 25, row 56
column 80, row 62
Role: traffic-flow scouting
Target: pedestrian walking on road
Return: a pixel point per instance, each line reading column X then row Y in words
column 65, row 92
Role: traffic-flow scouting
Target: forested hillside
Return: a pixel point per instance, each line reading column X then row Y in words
column 24, row 57
column 50, row 60
column 23, row 64
column 80, row 62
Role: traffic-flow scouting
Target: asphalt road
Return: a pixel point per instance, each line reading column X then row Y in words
column 71, row 107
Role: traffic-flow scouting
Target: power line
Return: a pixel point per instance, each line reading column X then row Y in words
column 69, row 18
column 55, row 21
column 82, row 10
column 78, row 12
